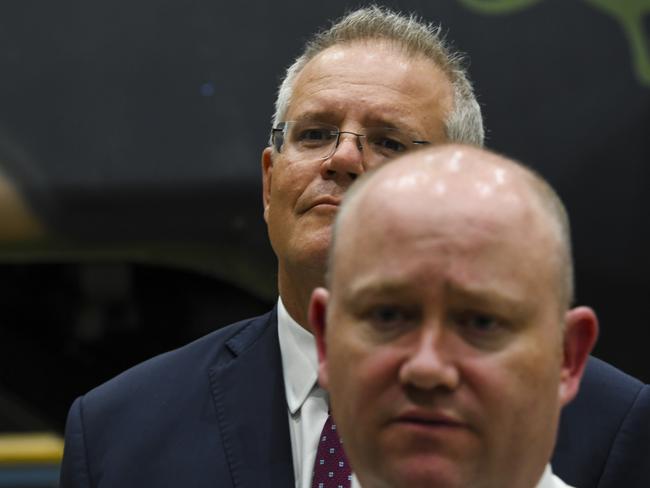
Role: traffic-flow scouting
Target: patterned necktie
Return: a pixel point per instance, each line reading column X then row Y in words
column 331, row 468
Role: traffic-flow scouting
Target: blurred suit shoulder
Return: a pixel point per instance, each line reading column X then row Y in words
column 604, row 435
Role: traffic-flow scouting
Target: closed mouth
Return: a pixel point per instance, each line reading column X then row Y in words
column 431, row 419
column 326, row 201
column 429, row 422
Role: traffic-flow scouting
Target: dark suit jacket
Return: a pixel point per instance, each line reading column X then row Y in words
column 213, row 414
column 210, row 414
column 604, row 437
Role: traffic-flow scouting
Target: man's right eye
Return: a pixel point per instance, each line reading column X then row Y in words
column 386, row 314
column 389, row 317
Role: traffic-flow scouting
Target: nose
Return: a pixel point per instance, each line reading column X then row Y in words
column 430, row 364
column 347, row 162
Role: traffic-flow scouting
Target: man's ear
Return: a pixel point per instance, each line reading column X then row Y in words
column 580, row 334
column 267, row 170
column 318, row 323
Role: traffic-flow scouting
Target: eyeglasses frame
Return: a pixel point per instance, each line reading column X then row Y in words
column 282, row 125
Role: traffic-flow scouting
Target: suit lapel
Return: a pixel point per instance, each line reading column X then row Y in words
column 248, row 389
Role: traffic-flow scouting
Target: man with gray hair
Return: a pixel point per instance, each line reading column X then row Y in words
column 241, row 406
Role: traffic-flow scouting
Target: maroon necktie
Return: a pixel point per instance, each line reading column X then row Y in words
column 331, row 468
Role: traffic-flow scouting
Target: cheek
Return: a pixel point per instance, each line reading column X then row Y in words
column 295, row 176
column 515, row 393
column 363, row 392
column 362, row 378
column 282, row 188
column 286, row 188
column 378, row 370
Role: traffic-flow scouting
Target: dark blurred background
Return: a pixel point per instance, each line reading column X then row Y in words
column 130, row 141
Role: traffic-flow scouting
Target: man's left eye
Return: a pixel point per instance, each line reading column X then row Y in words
column 388, row 144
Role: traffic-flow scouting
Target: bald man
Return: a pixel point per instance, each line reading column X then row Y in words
column 446, row 338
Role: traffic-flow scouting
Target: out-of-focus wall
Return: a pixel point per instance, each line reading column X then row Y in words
column 139, row 125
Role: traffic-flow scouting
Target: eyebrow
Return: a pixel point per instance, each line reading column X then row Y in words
column 478, row 297
column 489, row 298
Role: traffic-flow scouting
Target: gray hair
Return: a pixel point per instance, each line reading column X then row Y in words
column 463, row 125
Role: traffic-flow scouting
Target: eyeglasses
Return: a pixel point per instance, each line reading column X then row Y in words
column 316, row 140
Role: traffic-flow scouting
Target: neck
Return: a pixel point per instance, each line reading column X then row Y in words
column 295, row 290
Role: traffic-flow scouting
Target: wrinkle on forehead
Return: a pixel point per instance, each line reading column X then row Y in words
column 316, row 82
column 375, row 53
column 375, row 63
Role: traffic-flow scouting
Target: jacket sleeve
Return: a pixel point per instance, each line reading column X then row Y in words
column 74, row 467
column 629, row 460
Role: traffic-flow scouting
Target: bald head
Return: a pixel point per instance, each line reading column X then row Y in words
column 465, row 186
column 448, row 296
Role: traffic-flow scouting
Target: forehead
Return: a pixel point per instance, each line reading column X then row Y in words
column 468, row 237
column 371, row 82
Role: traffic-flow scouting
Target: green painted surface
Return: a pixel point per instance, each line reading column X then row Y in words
column 497, row 6
column 628, row 13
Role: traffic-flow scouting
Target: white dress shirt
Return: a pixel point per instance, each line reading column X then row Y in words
column 549, row 480
column 308, row 402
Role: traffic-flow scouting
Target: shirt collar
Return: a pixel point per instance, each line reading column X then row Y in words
column 299, row 359
column 548, row 480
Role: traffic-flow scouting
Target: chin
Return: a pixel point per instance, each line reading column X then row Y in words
column 425, row 473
